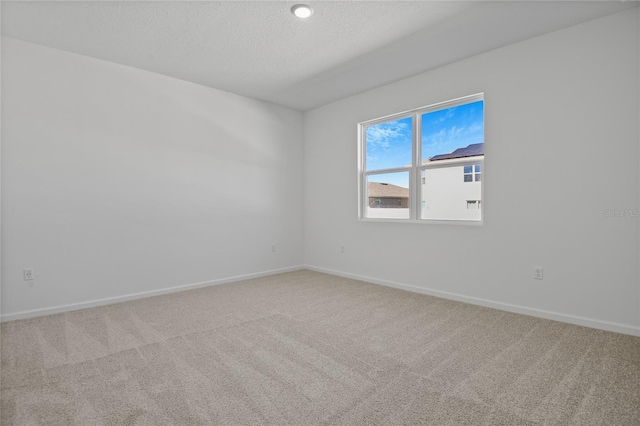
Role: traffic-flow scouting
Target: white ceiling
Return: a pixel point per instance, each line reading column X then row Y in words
column 258, row 49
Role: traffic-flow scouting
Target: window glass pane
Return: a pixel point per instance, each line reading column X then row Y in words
column 388, row 196
column 453, row 132
column 467, row 169
column 478, row 177
column 477, row 168
column 389, row 144
column 446, row 197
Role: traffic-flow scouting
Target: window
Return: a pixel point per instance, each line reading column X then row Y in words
column 473, row 204
column 410, row 163
column 472, row 173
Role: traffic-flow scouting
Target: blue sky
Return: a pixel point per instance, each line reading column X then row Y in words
column 443, row 131
column 448, row 129
column 400, row 179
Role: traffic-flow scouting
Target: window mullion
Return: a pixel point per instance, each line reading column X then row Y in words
column 385, row 171
column 415, row 193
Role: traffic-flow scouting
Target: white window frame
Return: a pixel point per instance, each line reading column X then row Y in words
column 415, row 169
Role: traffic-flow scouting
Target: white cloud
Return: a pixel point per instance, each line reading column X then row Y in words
column 385, row 139
column 381, row 135
column 450, row 138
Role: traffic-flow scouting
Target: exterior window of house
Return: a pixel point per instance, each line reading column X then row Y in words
column 472, row 173
column 473, row 204
column 398, row 154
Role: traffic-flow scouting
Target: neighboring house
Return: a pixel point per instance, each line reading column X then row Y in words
column 386, row 195
column 452, row 185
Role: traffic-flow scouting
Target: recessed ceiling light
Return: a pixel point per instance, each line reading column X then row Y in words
column 302, row 11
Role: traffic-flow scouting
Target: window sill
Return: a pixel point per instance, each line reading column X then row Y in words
column 425, row 221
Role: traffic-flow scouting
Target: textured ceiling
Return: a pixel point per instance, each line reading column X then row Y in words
column 258, row 49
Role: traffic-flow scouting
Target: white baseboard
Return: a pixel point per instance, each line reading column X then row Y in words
column 571, row 319
column 109, row 300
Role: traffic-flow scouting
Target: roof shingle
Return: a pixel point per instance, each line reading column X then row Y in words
column 386, row 190
column 469, row 151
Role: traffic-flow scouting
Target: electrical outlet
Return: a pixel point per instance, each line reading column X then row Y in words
column 28, row 274
column 538, row 273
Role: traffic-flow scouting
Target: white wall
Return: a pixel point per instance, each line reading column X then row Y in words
column 562, row 131
column 445, row 194
column 118, row 181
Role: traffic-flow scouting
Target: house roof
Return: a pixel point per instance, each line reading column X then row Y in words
column 469, row 151
column 386, row 190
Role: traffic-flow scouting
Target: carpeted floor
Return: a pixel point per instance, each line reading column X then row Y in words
column 308, row 348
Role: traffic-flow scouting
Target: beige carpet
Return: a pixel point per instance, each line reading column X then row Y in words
column 308, row 348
